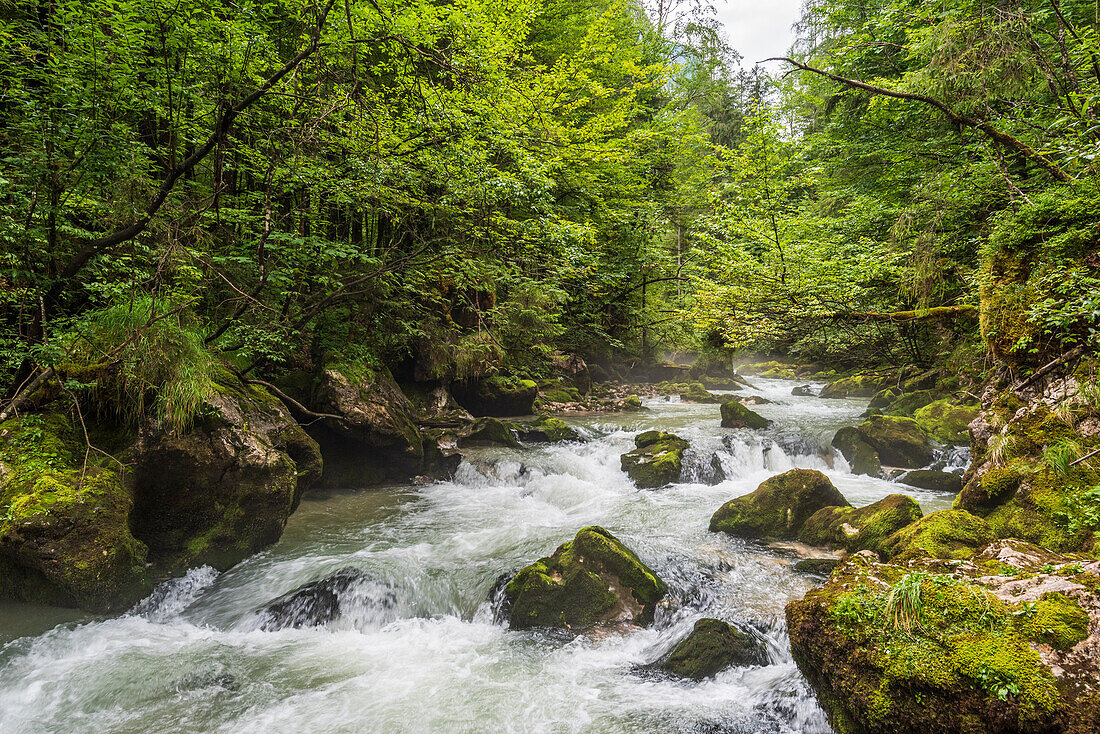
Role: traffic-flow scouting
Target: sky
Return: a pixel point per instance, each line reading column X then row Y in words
column 759, row 29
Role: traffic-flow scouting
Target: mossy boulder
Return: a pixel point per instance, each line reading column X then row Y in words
column 713, row 646
column 884, row 397
column 817, row 566
column 779, row 507
column 592, row 580
column 861, row 458
column 224, row 489
column 946, row 422
column 908, row 403
column 657, row 459
column 803, row 391
column 854, row 386
column 558, row 391
column 377, row 438
column 898, row 441
column 989, row 489
column 433, row 406
column 937, row 481
column 947, row 534
column 65, row 535
column 694, row 392
column 860, row 528
column 996, row 644
column 498, row 396
column 488, row 431
column 547, row 429
column 631, row 403
column 736, row 415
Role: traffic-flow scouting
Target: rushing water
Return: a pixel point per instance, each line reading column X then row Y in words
column 193, row 658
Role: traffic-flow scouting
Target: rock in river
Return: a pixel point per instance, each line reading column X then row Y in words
column 322, row 601
column 593, row 579
column 779, row 506
column 657, row 460
column 713, row 646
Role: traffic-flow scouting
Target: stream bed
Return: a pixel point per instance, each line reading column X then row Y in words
column 424, row 654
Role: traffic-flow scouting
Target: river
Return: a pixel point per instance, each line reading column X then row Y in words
column 423, row 653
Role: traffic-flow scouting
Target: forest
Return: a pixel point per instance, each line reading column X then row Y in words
column 252, row 253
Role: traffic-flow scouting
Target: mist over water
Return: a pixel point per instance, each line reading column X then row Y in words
column 415, row 648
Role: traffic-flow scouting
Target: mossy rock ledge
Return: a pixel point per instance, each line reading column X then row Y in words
column 223, row 490
column 592, row 580
column 65, row 537
column 547, row 429
column 713, row 646
column 694, row 392
column 779, row 507
column 854, row 386
column 899, row 442
column 736, row 415
column 1004, row 641
column 657, row 460
column 860, row 528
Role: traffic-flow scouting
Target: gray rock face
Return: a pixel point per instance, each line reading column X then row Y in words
column 325, row 600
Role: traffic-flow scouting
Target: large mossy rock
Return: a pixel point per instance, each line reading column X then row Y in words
column 713, row 646
column 593, row 579
column 65, row 535
column 947, row 534
column 736, row 415
column 225, row 488
column 497, row 396
column 855, row 386
column 898, row 441
column 1004, row 642
column 946, row 422
column 861, row 458
column 657, row 459
column 779, row 507
column 377, row 438
column 860, row 528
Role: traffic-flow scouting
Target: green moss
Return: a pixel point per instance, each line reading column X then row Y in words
column 898, row 441
column 779, row 507
column 907, row 404
column 712, row 646
column 575, row 587
column 948, row 534
column 658, row 459
column 694, row 392
column 1057, row 621
column 946, row 422
column 854, row 386
column 631, row 402
column 736, row 415
column 863, row 528
column 861, row 458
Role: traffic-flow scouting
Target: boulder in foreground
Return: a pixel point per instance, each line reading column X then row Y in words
column 1003, row 642
column 593, row 579
column 899, row 441
column 779, row 507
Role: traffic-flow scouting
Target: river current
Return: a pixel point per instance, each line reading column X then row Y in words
column 419, row 651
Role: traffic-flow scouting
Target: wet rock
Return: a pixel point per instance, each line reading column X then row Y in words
column 779, row 507
column 898, row 441
column 883, row 398
column 755, row 400
column 574, row 369
column 855, row 386
column 211, row 676
column 489, row 432
column 803, row 391
column 863, row 528
column 818, row 566
column 593, row 579
column 947, row 534
column 224, row 489
column 497, row 396
column 736, row 415
column 861, row 458
column 694, row 392
column 946, row 422
column 1004, row 642
column 378, row 439
column 65, row 537
column 323, row 601
column 937, row 481
column 657, row 460
column 434, row 407
column 713, row 646
column 547, row 429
